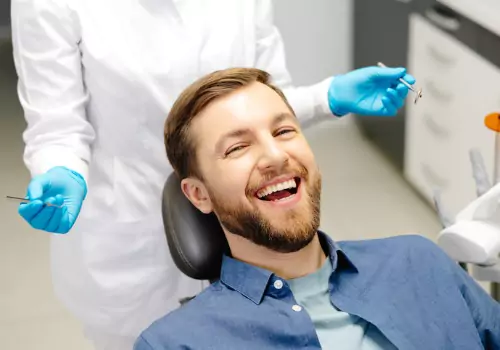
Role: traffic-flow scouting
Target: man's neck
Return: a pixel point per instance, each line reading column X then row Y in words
column 286, row 265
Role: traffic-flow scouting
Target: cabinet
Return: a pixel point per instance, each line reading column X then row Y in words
column 459, row 90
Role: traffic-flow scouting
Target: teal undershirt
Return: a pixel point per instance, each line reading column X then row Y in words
column 335, row 329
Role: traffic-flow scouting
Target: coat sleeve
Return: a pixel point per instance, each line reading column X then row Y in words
column 46, row 37
column 310, row 103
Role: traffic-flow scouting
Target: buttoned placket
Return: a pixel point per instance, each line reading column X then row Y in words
column 279, row 289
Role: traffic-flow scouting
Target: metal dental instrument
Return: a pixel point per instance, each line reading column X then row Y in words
column 418, row 94
column 25, row 200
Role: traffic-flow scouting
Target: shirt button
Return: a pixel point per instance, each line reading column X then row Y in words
column 278, row 284
column 297, row 308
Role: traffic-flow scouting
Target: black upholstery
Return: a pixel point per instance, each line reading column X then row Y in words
column 195, row 240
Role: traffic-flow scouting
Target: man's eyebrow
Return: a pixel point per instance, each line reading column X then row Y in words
column 231, row 134
column 278, row 118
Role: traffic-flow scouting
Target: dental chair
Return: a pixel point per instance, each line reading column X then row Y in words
column 473, row 236
column 195, row 240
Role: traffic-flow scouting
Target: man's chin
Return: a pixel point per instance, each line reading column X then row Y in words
column 289, row 242
column 286, row 219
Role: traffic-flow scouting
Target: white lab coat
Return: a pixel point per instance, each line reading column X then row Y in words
column 97, row 79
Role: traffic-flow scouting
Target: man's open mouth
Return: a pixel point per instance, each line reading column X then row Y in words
column 279, row 191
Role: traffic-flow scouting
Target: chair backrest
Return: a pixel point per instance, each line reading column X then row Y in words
column 195, row 240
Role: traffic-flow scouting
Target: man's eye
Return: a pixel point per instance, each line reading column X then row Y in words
column 234, row 149
column 284, row 131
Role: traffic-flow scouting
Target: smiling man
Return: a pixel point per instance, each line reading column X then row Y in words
column 235, row 142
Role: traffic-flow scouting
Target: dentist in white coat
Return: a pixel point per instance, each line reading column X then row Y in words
column 96, row 80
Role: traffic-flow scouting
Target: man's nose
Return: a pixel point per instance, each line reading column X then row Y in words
column 273, row 156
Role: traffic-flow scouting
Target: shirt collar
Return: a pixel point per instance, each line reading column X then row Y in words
column 251, row 281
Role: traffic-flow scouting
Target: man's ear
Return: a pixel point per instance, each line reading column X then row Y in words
column 197, row 194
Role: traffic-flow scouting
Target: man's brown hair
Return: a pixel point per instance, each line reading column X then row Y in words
column 180, row 146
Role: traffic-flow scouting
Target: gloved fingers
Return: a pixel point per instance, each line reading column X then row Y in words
column 29, row 210
column 388, row 74
column 43, row 218
column 55, row 220
column 402, row 90
column 59, row 200
column 65, row 223
column 37, row 187
column 390, row 108
column 396, row 100
column 409, row 79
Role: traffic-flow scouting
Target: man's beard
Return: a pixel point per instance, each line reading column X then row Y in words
column 254, row 226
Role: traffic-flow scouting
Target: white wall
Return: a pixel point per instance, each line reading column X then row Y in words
column 317, row 35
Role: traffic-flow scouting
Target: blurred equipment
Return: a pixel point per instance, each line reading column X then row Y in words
column 450, row 55
column 474, row 237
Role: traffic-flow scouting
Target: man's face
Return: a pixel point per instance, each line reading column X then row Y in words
column 259, row 173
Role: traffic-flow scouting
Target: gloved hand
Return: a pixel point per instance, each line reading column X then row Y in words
column 59, row 186
column 369, row 91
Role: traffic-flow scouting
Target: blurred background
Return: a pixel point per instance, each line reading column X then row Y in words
column 378, row 173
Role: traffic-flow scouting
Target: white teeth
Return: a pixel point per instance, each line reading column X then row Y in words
column 275, row 188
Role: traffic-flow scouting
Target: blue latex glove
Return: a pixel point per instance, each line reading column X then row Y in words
column 369, row 91
column 59, row 186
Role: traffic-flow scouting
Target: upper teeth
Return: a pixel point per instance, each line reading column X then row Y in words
column 275, row 188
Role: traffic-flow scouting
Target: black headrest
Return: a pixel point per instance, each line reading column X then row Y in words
column 196, row 240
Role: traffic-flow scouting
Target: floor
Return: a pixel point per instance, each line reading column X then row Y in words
column 363, row 197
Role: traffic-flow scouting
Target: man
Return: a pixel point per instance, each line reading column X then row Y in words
column 236, row 144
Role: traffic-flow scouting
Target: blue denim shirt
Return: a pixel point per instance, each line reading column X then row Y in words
column 406, row 286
